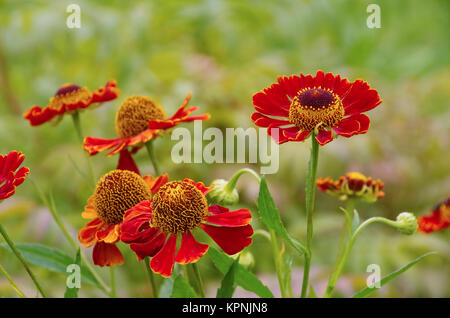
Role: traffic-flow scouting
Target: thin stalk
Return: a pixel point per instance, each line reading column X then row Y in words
column 278, row 263
column 310, row 197
column 11, row 282
column 151, row 277
column 77, row 125
column 151, row 154
column 195, row 279
column 112, row 282
column 234, row 179
column 21, row 259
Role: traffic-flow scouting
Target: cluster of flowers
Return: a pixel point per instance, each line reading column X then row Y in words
column 151, row 213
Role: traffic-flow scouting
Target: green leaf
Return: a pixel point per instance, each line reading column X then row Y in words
column 228, row 285
column 50, row 258
column 181, row 289
column 367, row 291
column 243, row 277
column 271, row 217
column 355, row 221
column 73, row 292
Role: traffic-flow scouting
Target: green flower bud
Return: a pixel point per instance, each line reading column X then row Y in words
column 221, row 195
column 246, row 259
column 407, row 223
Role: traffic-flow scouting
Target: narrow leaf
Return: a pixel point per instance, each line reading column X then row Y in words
column 181, row 289
column 228, row 285
column 271, row 217
column 367, row 291
column 243, row 278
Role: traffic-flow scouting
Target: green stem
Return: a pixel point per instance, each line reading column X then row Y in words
column 13, row 285
column 112, row 282
column 77, row 124
column 234, row 179
column 51, row 207
column 310, row 197
column 278, row 262
column 22, row 260
column 151, row 154
column 195, row 279
column 151, row 276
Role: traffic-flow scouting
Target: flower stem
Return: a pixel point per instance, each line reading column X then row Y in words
column 278, row 262
column 195, row 279
column 77, row 125
column 21, row 259
column 151, row 277
column 13, row 285
column 151, row 154
column 310, row 197
column 234, row 179
column 112, row 282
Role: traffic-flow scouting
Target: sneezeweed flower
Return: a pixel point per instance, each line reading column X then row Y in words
column 138, row 120
column 177, row 208
column 115, row 193
column 70, row 98
column 353, row 185
column 438, row 220
column 324, row 103
column 11, row 175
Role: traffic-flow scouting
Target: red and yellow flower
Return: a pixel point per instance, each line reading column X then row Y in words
column 177, row 208
column 353, row 185
column 297, row 105
column 11, row 175
column 115, row 193
column 138, row 120
column 68, row 99
column 438, row 220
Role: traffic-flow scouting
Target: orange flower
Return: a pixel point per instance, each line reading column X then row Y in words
column 68, row 99
column 325, row 103
column 138, row 120
column 9, row 177
column 115, row 193
column 353, row 184
column 177, row 208
column 438, row 220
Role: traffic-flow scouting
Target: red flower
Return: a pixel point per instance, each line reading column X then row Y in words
column 176, row 209
column 68, row 99
column 326, row 103
column 9, row 178
column 115, row 193
column 138, row 120
column 438, row 220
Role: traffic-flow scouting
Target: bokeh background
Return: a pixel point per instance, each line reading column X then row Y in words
column 223, row 52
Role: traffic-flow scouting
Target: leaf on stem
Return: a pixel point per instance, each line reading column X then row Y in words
column 228, row 285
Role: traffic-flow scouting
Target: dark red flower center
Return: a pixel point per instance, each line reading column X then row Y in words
column 67, row 88
column 316, row 98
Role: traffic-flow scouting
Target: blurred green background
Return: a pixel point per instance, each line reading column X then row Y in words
column 223, row 52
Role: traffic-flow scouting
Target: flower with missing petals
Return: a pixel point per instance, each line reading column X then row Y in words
column 324, row 103
column 11, row 175
column 438, row 220
column 138, row 120
column 115, row 193
column 177, row 208
column 353, row 185
column 68, row 99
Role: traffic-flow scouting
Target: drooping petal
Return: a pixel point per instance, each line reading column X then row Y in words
column 88, row 234
column 199, row 185
column 109, row 234
column 190, row 250
column 96, row 145
column 135, row 220
column 89, row 210
column 156, row 183
column 126, row 162
column 105, row 254
column 324, row 137
column 236, row 218
column 263, row 121
column 231, row 239
column 148, row 243
column 163, row 262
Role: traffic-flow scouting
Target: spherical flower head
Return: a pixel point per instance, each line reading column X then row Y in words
column 135, row 113
column 178, row 207
column 407, row 223
column 116, row 192
column 353, row 185
column 219, row 194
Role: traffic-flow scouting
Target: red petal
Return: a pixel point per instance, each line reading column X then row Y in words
column 264, row 121
column 148, row 243
column 88, row 234
column 200, row 186
column 126, row 162
column 360, row 98
column 164, row 260
column 324, row 137
column 190, row 250
column 105, row 254
column 231, row 219
column 135, row 220
column 231, row 239
column 95, row 145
